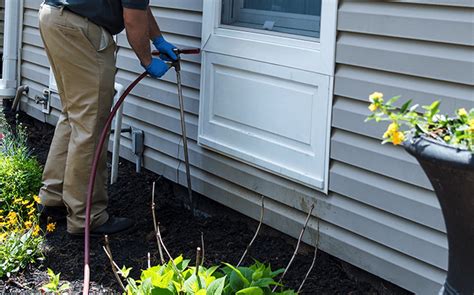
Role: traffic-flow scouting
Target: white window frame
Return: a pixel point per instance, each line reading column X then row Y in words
column 315, row 55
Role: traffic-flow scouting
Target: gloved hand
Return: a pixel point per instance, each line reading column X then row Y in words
column 157, row 68
column 164, row 47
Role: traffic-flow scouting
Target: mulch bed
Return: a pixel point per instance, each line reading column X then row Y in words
column 226, row 236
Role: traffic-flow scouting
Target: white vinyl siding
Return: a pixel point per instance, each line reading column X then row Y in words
column 380, row 213
column 2, row 19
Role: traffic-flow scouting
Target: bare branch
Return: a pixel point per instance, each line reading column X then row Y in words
column 312, row 263
column 202, row 247
column 158, row 234
column 149, row 260
column 198, row 262
column 262, row 211
column 297, row 247
column 155, row 224
column 115, row 267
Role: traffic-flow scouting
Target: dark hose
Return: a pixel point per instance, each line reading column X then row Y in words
column 92, row 177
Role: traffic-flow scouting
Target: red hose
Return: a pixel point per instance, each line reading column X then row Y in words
column 90, row 189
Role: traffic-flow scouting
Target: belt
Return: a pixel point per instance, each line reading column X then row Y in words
column 55, row 4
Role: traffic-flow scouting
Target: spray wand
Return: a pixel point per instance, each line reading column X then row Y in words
column 90, row 190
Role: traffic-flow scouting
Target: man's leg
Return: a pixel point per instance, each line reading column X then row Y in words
column 51, row 193
column 83, row 54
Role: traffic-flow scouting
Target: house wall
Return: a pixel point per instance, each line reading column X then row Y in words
column 381, row 213
column 2, row 18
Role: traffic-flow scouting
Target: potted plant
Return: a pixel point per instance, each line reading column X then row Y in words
column 444, row 147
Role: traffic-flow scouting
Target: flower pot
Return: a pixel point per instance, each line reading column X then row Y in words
column 451, row 173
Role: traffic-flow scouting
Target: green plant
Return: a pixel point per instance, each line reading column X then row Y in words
column 20, row 179
column 17, row 250
column 54, row 286
column 177, row 277
column 456, row 130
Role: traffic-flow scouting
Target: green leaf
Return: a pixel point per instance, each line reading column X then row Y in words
column 405, row 106
column 250, row 291
column 211, row 270
column 264, row 282
column 216, row 287
column 64, row 287
column 125, row 272
column 238, row 273
column 392, row 100
column 161, row 291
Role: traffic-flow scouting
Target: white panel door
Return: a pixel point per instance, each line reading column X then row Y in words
column 266, row 96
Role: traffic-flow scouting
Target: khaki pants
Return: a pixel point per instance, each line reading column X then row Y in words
column 82, row 58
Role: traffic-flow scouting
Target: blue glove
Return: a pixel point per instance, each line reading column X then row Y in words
column 164, row 47
column 157, row 68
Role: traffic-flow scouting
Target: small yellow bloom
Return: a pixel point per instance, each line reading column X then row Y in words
column 447, row 138
column 3, row 236
column 392, row 128
column 373, row 107
column 36, row 230
column 30, row 205
column 28, row 224
column 51, row 227
column 398, row 138
column 32, row 211
column 471, row 125
column 462, row 112
column 17, row 201
column 37, row 199
column 376, row 96
column 12, row 218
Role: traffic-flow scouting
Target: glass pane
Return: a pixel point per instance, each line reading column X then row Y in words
column 298, row 17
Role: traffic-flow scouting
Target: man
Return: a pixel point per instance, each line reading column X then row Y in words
column 77, row 35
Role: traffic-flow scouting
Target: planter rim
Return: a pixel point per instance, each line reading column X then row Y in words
column 423, row 147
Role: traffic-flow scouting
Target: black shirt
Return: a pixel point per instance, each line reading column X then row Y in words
column 105, row 13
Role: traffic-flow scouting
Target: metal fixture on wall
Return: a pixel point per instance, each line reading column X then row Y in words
column 138, row 147
column 44, row 101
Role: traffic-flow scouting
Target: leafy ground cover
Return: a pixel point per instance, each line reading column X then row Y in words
column 226, row 234
column 21, row 237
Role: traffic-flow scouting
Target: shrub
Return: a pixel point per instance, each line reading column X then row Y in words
column 20, row 180
column 177, row 277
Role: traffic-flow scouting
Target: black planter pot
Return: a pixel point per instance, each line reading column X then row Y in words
column 451, row 173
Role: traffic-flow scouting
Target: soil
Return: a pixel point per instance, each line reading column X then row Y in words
column 226, row 236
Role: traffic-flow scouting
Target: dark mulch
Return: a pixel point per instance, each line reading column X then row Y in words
column 226, row 236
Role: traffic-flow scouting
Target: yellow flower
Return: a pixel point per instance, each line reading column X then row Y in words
column 398, row 138
column 28, row 224
column 373, row 107
column 30, row 205
column 462, row 112
column 392, row 128
column 32, row 211
column 17, row 201
column 471, row 125
column 376, row 96
column 3, row 236
column 51, row 227
column 37, row 199
column 12, row 218
column 36, row 230
column 447, row 138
